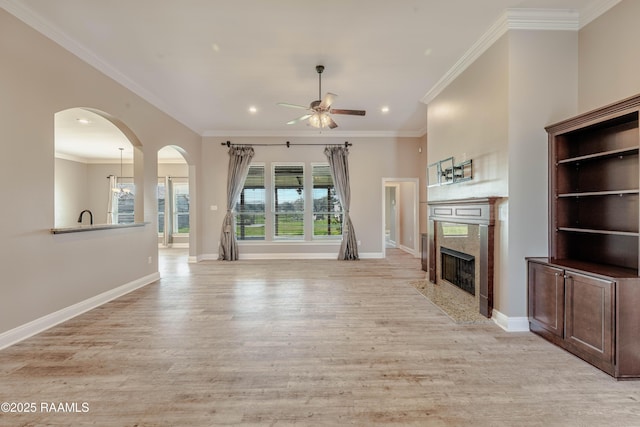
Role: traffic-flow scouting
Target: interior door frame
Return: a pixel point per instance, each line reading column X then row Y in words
column 414, row 207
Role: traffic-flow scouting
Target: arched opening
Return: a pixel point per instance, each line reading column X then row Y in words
column 94, row 180
column 173, row 199
column 176, row 201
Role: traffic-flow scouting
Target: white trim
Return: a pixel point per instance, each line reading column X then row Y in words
column 408, row 250
column 184, row 245
column 497, row 30
column 34, row 327
column 416, row 212
column 289, row 255
column 510, row 324
column 542, row 19
column 70, row 157
column 284, row 242
column 316, row 134
column 516, row 19
column 193, row 259
column 45, row 27
column 292, row 256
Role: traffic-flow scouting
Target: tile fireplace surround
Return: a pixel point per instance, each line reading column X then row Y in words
column 466, row 226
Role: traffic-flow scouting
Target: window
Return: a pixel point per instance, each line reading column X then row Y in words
column 180, row 207
column 123, row 202
column 327, row 211
column 250, row 210
column 174, row 201
column 161, row 193
column 288, row 201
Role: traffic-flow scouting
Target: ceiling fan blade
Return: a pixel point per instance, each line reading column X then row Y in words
column 299, row 119
column 286, row 104
column 327, row 100
column 348, row 112
column 332, row 124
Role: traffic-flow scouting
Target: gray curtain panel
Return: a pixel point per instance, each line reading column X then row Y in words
column 339, row 165
column 239, row 161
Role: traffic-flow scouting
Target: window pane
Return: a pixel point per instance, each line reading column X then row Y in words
column 289, row 225
column 250, row 209
column 327, row 211
column 123, row 203
column 181, row 207
column 161, row 198
column 288, row 201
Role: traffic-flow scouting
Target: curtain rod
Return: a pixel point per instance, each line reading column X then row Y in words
column 288, row 144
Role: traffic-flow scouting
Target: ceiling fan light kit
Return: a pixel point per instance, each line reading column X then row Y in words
column 320, row 111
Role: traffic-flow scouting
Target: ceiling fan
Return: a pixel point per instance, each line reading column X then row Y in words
column 319, row 111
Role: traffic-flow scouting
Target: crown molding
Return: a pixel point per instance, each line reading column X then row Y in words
column 46, row 28
column 521, row 19
column 511, row 19
column 315, row 134
column 542, row 19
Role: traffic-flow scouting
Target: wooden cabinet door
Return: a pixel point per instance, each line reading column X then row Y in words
column 589, row 315
column 546, row 298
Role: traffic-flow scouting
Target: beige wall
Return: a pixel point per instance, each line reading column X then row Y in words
column 370, row 160
column 609, row 57
column 41, row 272
column 469, row 120
column 71, row 192
column 539, row 94
column 494, row 113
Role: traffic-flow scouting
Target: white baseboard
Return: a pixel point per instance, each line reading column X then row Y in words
column 34, row 327
column 290, row 255
column 510, row 324
column 408, row 250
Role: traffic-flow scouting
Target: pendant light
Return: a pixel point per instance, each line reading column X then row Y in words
column 119, row 189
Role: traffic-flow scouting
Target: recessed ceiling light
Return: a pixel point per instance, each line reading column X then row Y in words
column 384, row 109
column 428, row 51
column 215, row 47
column 253, row 110
column 83, row 121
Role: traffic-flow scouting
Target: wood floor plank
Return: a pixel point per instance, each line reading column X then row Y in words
column 317, row 343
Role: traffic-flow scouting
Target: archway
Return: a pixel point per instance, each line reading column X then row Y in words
column 176, row 198
column 90, row 147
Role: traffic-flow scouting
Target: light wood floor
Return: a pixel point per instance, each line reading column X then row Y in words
column 310, row 343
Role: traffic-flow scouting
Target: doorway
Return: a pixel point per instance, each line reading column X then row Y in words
column 392, row 219
column 400, row 226
column 175, row 195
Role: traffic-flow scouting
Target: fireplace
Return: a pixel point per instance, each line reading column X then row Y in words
column 461, row 235
column 459, row 269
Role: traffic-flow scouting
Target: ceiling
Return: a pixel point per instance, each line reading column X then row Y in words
column 207, row 62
